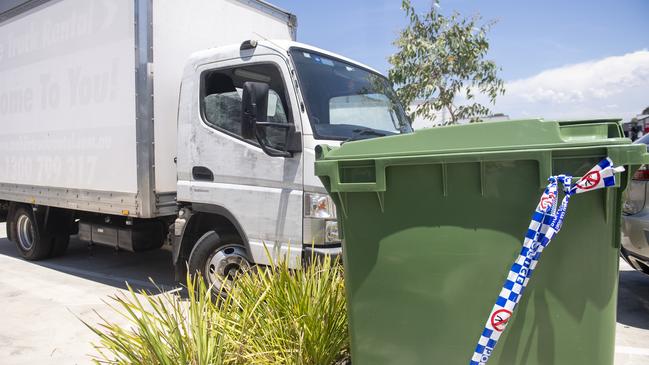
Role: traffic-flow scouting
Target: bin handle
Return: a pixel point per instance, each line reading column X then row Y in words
column 332, row 168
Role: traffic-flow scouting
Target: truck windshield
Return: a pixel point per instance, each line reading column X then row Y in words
column 346, row 102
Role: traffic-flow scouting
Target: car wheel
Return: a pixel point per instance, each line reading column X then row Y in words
column 218, row 259
column 31, row 241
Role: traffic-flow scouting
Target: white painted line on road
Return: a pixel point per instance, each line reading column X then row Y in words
column 628, row 350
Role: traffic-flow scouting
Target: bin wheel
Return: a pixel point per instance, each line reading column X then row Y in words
column 31, row 241
column 218, row 258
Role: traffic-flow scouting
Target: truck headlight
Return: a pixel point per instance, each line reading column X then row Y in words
column 320, row 224
column 319, row 206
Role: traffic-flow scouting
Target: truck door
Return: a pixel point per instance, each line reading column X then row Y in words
column 263, row 193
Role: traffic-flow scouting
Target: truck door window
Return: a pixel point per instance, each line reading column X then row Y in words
column 221, row 98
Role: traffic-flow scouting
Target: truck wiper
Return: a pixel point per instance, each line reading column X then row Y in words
column 364, row 132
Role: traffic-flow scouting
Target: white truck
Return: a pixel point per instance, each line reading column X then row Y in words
column 140, row 123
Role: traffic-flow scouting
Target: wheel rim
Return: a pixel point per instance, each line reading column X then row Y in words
column 224, row 264
column 25, row 232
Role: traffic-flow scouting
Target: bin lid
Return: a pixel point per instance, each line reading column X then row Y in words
column 360, row 165
column 486, row 136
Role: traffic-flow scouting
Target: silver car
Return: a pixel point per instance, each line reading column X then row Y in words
column 635, row 218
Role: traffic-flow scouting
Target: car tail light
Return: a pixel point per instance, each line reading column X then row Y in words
column 642, row 174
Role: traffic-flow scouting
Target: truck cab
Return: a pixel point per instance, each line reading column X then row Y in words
column 250, row 119
column 149, row 131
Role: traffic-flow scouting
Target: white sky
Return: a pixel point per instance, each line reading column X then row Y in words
column 615, row 86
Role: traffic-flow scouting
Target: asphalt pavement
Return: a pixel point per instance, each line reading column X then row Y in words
column 42, row 303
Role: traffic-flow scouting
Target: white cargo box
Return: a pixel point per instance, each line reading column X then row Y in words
column 89, row 95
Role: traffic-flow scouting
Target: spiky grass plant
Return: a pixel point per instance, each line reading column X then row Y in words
column 271, row 315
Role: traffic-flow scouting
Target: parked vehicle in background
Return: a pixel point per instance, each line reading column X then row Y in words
column 635, row 218
column 119, row 122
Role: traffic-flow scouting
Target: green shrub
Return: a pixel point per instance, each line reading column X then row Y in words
column 271, row 315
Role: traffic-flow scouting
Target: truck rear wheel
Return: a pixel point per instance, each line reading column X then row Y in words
column 59, row 245
column 218, row 259
column 31, row 241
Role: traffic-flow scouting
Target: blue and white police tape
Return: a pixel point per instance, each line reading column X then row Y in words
column 546, row 222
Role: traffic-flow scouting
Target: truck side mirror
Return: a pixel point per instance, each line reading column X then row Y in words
column 254, row 107
column 255, row 125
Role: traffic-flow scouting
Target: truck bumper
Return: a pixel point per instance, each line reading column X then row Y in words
column 311, row 253
column 635, row 240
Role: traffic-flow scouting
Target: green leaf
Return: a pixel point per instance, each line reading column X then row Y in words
column 437, row 57
column 271, row 315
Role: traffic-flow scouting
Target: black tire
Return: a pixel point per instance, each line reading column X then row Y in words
column 59, row 226
column 639, row 266
column 59, row 245
column 206, row 247
column 31, row 240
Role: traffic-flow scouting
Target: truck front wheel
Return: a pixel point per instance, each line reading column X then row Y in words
column 30, row 239
column 218, row 258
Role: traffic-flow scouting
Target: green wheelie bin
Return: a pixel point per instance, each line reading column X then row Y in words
column 431, row 223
